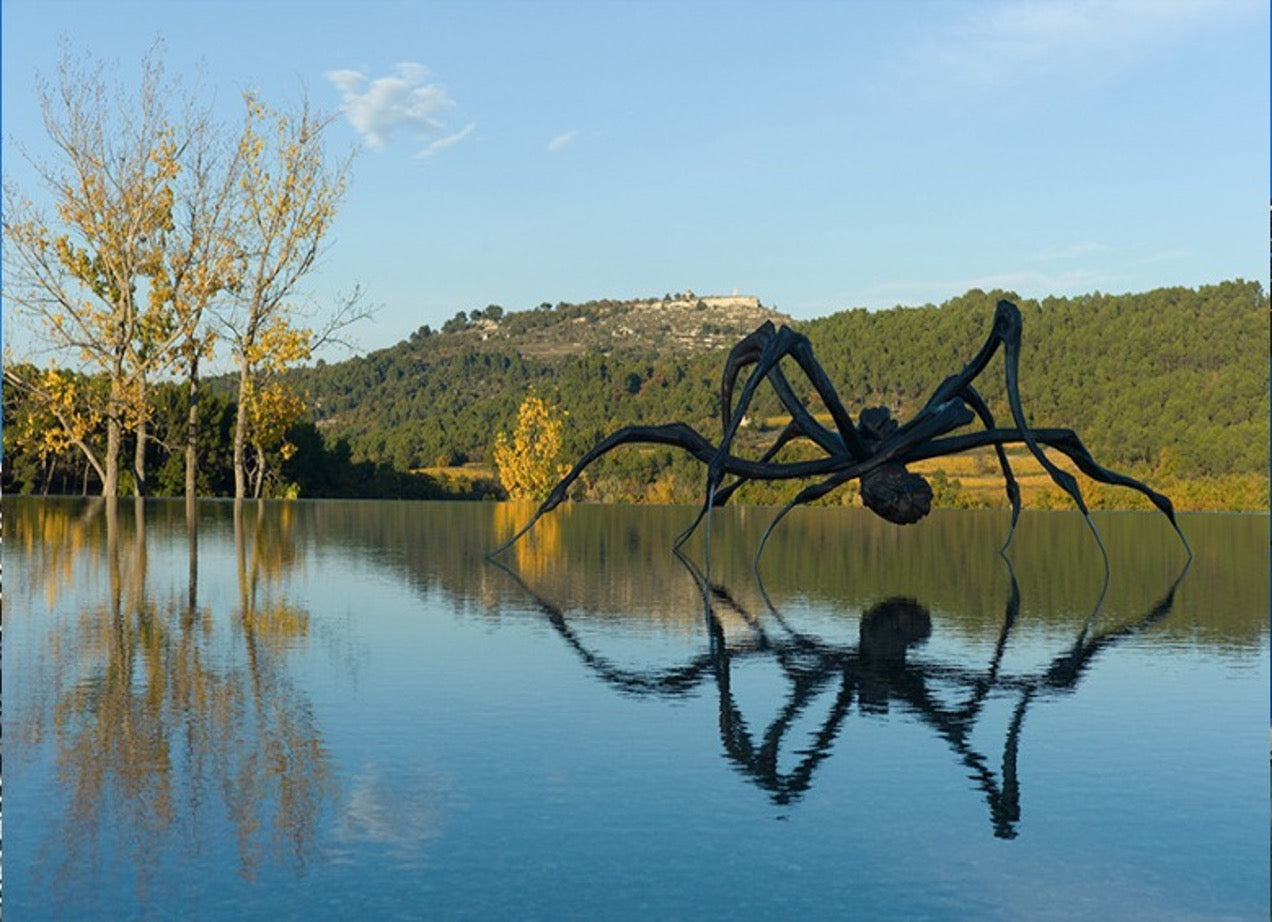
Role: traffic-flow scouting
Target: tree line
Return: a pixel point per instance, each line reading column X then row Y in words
column 158, row 234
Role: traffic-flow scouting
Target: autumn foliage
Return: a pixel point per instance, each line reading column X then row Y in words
column 527, row 464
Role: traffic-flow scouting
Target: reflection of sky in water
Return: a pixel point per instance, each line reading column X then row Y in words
column 464, row 745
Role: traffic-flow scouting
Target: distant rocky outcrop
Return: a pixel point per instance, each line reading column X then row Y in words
column 672, row 325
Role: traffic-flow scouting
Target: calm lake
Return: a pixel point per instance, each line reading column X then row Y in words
column 330, row 710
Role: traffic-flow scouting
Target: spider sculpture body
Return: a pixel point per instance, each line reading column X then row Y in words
column 874, row 450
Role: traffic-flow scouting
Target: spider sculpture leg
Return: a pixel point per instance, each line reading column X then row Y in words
column 1068, row 443
column 974, row 399
column 763, row 348
column 1006, row 333
column 781, row 344
column 789, row 433
column 766, row 349
column 677, row 435
column 802, row 424
column 749, row 352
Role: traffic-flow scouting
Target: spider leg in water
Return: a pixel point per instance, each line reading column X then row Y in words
column 1065, row 441
column 678, row 435
column 977, row 403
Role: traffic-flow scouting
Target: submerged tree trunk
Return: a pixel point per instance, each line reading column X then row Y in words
column 192, row 432
column 139, row 461
column 258, row 472
column 110, row 476
column 240, row 435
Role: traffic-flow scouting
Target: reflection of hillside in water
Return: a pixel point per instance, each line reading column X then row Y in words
column 616, row 561
column 826, row 680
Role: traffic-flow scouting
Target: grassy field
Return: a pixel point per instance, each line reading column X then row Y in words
column 973, row 480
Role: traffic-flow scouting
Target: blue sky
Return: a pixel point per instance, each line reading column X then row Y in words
column 820, row 155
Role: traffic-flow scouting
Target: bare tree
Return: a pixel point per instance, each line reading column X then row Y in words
column 202, row 261
column 158, row 224
column 288, row 194
column 84, row 274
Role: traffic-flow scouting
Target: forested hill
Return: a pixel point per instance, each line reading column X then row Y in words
column 439, row 398
column 1173, row 379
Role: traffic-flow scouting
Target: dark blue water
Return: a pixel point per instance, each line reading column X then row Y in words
column 341, row 710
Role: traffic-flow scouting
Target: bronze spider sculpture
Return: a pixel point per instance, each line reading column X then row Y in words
column 875, row 449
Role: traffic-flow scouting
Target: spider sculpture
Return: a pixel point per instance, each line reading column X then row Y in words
column 875, row 449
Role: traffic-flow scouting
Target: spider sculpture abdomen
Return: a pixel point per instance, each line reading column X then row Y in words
column 900, row 496
column 890, row 490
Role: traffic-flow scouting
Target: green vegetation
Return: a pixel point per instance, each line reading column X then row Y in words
column 167, row 231
column 1169, row 385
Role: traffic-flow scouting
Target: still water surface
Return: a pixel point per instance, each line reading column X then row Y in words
column 341, row 710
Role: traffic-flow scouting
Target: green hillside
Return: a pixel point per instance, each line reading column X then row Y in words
column 1172, row 381
column 1169, row 385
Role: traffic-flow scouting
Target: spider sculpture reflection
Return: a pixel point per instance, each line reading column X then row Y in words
column 875, row 449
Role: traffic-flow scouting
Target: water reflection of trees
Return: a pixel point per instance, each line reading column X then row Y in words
column 873, row 673
column 167, row 720
column 441, row 547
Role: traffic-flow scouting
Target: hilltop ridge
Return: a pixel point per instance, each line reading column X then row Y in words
column 673, row 325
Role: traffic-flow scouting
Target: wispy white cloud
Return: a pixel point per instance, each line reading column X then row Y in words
column 404, row 100
column 1007, row 43
column 565, row 139
column 448, row 140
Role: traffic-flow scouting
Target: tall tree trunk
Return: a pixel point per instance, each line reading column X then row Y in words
column 139, row 462
column 192, row 432
column 258, row 473
column 114, row 436
column 240, row 436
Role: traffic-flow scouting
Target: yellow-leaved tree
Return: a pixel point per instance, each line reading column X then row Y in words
column 63, row 414
column 287, row 198
column 80, row 271
column 269, row 404
column 527, row 464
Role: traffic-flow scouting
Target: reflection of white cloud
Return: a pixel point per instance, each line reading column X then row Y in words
column 1004, row 43
column 399, row 813
column 403, row 100
column 562, row 140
